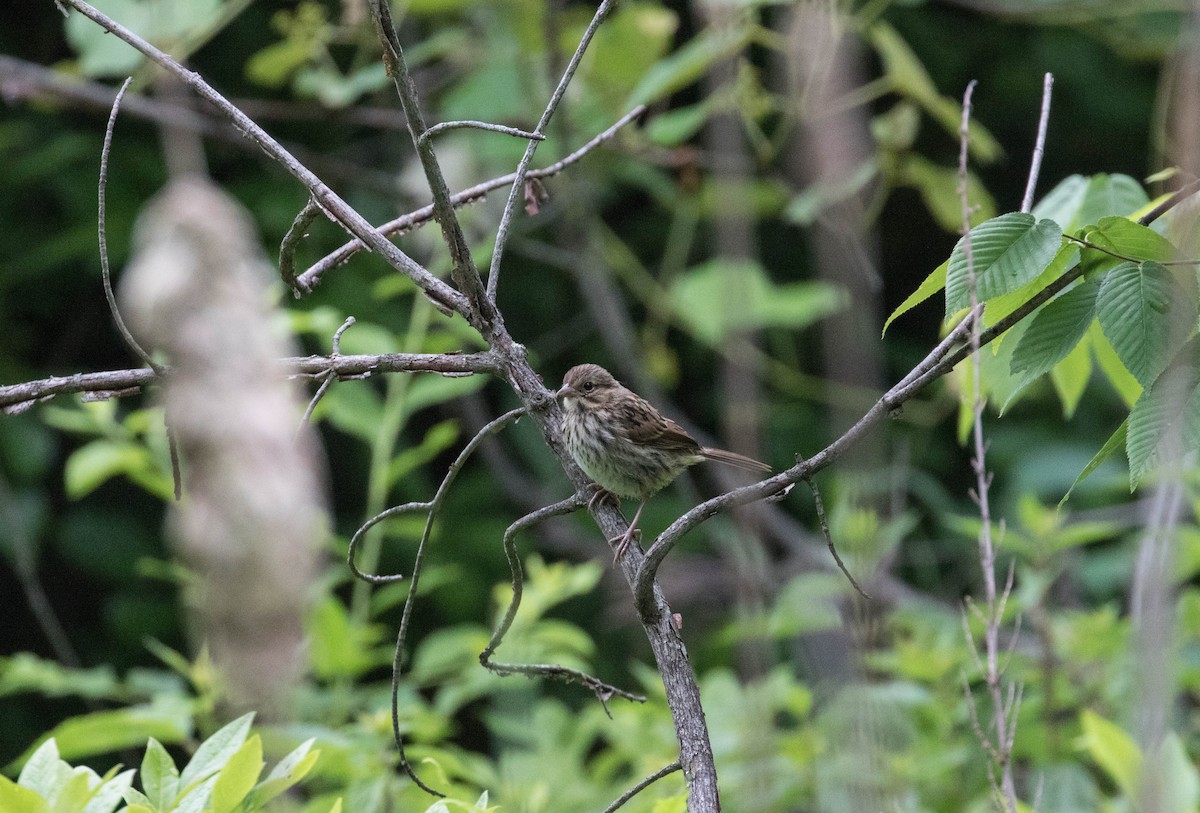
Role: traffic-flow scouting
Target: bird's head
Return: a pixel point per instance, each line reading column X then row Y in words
column 590, row 384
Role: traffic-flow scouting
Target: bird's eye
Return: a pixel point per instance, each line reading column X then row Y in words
column 588, row 386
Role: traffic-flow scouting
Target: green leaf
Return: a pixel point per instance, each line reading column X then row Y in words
column 41, row 771
column 238, row 776
column 439, row 438
column 111, row 792
column 1054, row 332
column 674, row 127
column 1008, row 251
column 1110, row 195
column 1115, row 442
column 1121, row 235
column 338, row 647
column 215, row 751
column 1133, row 310
column 1175, row 775
column 95, row 463
column 160, row 777
column 102, row 732
column 722, row 295
column 933, row 283
column 1113, row 750
column 290, row 770
column 1062, row 203
column 908, row 77
column 688, row 64
column 1126, row 386
column 1071, row 375
column 431, row 389
column 19, row 799
column 1159, row 411
column 938, row 186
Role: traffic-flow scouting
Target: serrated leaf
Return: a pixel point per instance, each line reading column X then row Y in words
column 1135, row 240
column 933, row 283
column 1115, row 442
column 1071, row 375
column 1054, row 332
column 1007, row 252
column 1155, row 419
column 1133, row 310
column 215, row 751
column 1125, row 385
column 1107, row 195
column 1062, row 203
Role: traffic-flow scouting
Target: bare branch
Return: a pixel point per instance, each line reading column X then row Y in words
column 16, row 398
column 603, row 691
column 1001, row 750
column 309, row 279
column 518, row 184
column 1039, row 144
column 477, row 125
column 483, row 314
column 442, row 295
column 287, row 246
column 641, row 786
column 820, row 506
column 329, row 378
column 105, row 273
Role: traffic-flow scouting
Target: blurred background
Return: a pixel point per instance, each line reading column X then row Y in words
column 732, row 256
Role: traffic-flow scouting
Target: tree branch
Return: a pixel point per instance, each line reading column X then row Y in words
column 442, row 295
column 310, row 278
column 517, row 190
column 15, row 398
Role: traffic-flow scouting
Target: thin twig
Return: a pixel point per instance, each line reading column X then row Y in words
column 1001, row 750
column 431, row 507
column 641, row 786
column 1039, row 144
column 328, row 379
column 517, row 191
column 603, row 691
column 287, row 246
column 482, row 315
column 442, row 295
column 441, row 127
column 15, row 398
column 106, row 277
column 309, row 279
column 105, row 273
column 820, row 506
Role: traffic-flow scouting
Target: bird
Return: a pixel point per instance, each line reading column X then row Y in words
column 626, row 445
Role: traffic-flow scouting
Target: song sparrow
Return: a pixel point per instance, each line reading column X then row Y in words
column 625, row 444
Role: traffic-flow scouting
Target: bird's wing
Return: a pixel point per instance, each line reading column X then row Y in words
column 647, row 426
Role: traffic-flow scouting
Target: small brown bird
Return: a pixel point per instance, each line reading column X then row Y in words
column 625, row 444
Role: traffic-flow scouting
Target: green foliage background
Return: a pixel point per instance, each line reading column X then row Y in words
column 801, row 693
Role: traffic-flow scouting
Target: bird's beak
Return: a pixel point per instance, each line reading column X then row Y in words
column 565, row 392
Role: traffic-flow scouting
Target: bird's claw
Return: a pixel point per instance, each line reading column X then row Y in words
column 600, row 496
column 623, row 542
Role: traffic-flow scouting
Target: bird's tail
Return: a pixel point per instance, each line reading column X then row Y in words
column 735, row 459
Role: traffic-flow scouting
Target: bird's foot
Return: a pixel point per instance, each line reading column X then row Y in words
column 602, row 495
column 624, row 541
